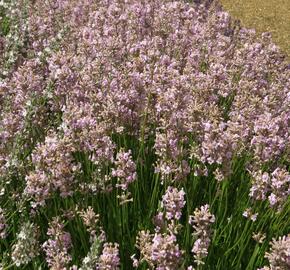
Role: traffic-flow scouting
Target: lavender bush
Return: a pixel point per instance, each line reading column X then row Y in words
column 141, row 135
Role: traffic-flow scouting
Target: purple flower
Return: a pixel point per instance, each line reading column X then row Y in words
column 125, row 170
column 173, row 202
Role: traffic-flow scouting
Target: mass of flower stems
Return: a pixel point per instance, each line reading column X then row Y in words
column 141, row 135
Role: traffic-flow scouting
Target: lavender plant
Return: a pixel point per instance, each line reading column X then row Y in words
column 141, row 134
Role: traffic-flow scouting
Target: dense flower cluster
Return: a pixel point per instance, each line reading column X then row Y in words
column 201, row 222
column 125, row 170
column 109, row 259
column 90, row 220
column 173, row 202
column 161, row 249
column 275, row 186
column 54, row 169
column 27, row 246
column 279, row 254
column 57, row 246
column 118, row 99
column 124, row 66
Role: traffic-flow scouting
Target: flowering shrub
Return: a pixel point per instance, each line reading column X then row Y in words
column 141, row 134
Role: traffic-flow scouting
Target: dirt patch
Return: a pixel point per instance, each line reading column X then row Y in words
column 265, row 16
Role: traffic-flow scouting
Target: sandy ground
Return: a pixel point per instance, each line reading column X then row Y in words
column 265, row 16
